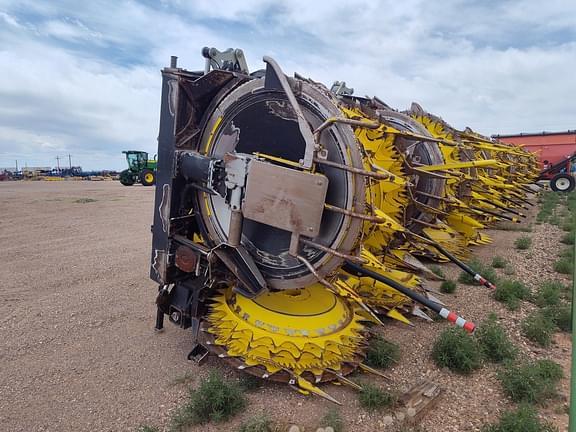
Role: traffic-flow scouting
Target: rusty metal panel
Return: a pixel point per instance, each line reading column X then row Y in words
column 285, row 198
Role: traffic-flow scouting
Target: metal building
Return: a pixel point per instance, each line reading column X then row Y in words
column 550, row 146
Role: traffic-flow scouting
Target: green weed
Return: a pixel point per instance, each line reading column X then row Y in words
column 539, row 328
column 561, row 315
column 523, row 419
column 214, row 400
column 457, row 350
column 532, row 382
column 146, row 428
column 564, row 266
column 568, row 238
column 499, row 262
column 259, row 423
column 374, row 398
column 523, row 243
column 493, row 341
column 84, row 200
column 549, row 293
column 510, row 292
column 448, row 286
column 382, row 353
column 437, row 271
column 333, row 419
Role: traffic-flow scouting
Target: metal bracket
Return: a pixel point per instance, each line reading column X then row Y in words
column 339, row 89
column 275, row 79
column 198, row 354
column 199, row 351
column 236, row 172
column 242, row 265
column 162, row 300
column 232, row 60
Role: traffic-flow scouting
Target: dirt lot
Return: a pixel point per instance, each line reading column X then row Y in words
column 79, row 353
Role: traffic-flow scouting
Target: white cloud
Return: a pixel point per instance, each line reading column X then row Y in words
column 84, row 77
column 70, row 29
column 10, row 20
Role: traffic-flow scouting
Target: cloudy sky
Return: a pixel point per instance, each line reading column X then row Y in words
column 82, row 77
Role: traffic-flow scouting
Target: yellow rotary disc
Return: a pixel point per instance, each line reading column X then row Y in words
column 286, row 334
column 149, row 177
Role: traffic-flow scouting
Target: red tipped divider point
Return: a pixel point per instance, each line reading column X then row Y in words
column 484, row 282
column 459, row 321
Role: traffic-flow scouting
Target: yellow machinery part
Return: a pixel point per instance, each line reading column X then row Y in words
column 385, row 199
column 378, row 295
column 289, row 333
column 318, row 333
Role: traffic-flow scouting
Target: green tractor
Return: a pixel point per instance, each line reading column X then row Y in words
column 140, row 169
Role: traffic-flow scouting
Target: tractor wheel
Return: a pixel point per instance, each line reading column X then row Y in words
column 126, row 178
column 147, row 177
column 562, row 183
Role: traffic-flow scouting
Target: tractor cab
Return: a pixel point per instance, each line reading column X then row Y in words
column 137, row 160
column 140, row 169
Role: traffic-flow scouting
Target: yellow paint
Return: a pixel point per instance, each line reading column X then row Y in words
column 212, row 133
column 308, row 331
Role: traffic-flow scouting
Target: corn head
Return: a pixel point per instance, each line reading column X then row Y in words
column 289, row 215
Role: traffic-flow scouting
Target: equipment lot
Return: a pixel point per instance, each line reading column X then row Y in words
column 77, row 306
column 78, row 349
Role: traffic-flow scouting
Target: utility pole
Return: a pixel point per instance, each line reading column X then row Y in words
column 16, row 165
column 572, row 411
column 70, row 161
column 58, row 163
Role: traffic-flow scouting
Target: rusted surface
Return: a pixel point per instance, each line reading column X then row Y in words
column 186, row 259
column 261, row 123
column 196, row 94
column 351, row 122
column 281, row 376
column 281, row 109
column 333, row 251
column 285, row 198
column 350, row 213
column 276, row 76
column 362, row 172
column 235, row 230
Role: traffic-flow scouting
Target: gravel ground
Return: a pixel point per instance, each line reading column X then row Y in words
column 77, row 308
column 469, row 402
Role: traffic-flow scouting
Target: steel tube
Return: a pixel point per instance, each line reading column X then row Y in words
column 235, row 231
column 376, row 175
column 462, row 265
column 439, row 309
